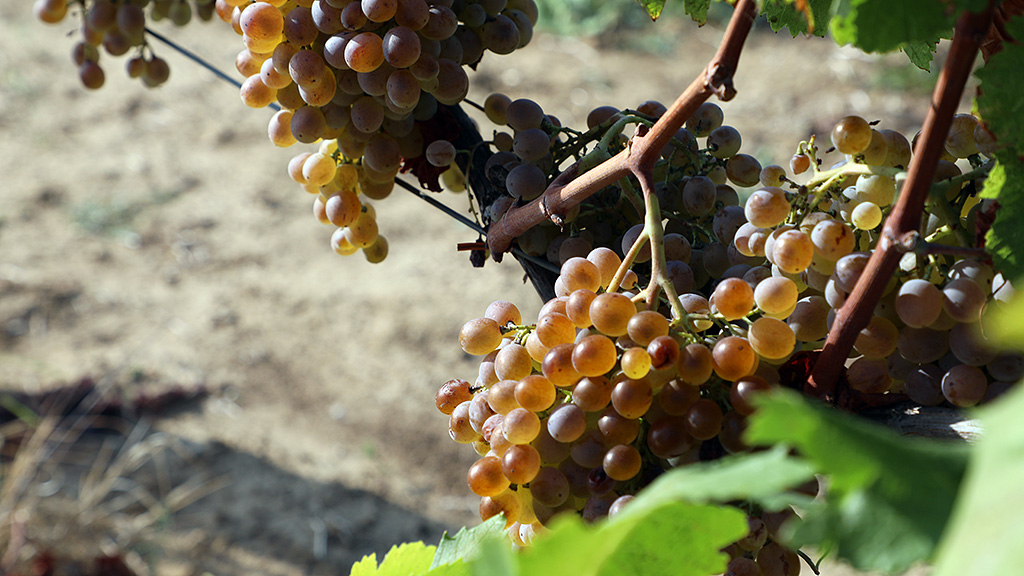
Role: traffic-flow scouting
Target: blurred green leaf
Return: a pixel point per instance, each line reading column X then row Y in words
column 654, row 7
column 410, row 559
column 884, row 25
column 467, row 542
column 1002, row 109
column 646, row 543
column 921, row 53
column 785, row 14
column 889, row 496
column 697, row 10
column 986, row 531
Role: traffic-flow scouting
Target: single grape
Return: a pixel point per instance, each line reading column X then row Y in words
column 851, row 135
column 480, row 336
column 724, row 142
column 595, row 355
column 733, row 298
column 733, row 357
column 964, row 386
column 767, row 207
column 771, row 338
column 485, row 477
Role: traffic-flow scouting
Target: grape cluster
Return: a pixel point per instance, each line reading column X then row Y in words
column 118, row 27
column 579, row 410
column 365, row 77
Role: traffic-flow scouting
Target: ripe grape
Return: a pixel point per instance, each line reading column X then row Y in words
column 733, row 298
column 870, row 376
column 851, row 135
column 595, row 355
column 724, row 142
column 793, row 251
column 705, row 119
column 695, row 364
column 733, row 357
column 919, row 303
column 767, row 207
column 771, row 338
column 526, row 182
column 632, row 398
column 480, row 336
column 485, row 477
column 963, row 300
column 703, row 420
column 622, row 462
column 964, row 386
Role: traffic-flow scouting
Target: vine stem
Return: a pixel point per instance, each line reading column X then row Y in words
column 905, row 217
column 565, row 193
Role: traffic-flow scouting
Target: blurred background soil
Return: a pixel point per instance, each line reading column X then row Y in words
column 151, row 240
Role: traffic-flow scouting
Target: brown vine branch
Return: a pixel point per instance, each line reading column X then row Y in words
column 906, row 214
column 565, row 193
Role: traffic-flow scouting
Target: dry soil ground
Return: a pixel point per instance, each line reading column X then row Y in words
column 151, row 239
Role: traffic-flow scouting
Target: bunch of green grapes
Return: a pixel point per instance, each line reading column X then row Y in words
column 366, row 78
column 577, row 411
column 118, row 27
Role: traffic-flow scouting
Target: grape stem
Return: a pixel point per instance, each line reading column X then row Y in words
column 905, row 216
column 565, row 192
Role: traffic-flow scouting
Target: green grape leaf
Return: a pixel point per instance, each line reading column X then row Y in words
column 1000, row 106
column 496, row 559
column 654, row 7
column 1002, row 84
column 889, row 497
column 642, row 539
column 646, row 543
column 1003, row 322
column 698, row 10
column 785, row 14
column 985, row 531
column 921, row 53
column 410, row 559
column 1005, row 239
column 761, row 477
column 467, row 542
column 884, row 25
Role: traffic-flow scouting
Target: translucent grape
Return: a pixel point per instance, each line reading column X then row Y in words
column 733, row 298
column 767, row 207
column 440, row 153
column 964, row 386
column 870, row 376
column 706, row 118
column 771, row 338
column 832, row 239
column 963, row 300
column 878, row 339
column 732, row 358
column 485, row 477
column 866, row 216
column 622, row 462
column 632, row 398
column 704, row 419
column 724, row 142
column 610, row 312
column 776, row 294
column 480, row 336
column 595, row 355
column 919, row 303
column 851, row 135
column 793, row 251
column 646, row 326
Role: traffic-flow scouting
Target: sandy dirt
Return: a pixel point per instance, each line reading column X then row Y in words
column 151, row 239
